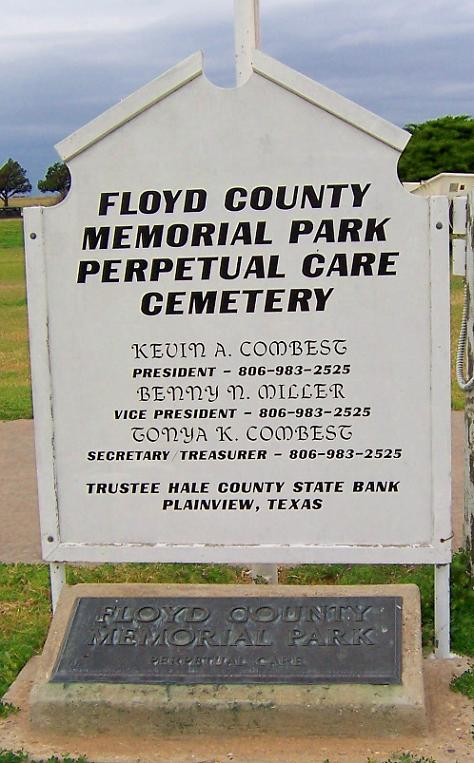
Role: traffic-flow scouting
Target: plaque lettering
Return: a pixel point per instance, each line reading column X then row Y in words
column 233, row 640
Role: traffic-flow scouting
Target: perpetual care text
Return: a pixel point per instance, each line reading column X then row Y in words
column 301, row 240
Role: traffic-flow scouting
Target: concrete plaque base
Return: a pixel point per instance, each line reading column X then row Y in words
column 349, row 709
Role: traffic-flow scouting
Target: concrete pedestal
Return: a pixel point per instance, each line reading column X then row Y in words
column 249, row 709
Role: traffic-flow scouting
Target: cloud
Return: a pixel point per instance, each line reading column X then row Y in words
column 69, row 61
column 50, row 17
column 455, row 88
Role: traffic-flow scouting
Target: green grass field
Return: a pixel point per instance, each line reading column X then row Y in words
column 15, row 382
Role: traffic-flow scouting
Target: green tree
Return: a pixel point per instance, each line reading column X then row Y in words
column 13, row 180
column 56, row 180
column 439, row 145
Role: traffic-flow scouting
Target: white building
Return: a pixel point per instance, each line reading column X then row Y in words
column 448, row 184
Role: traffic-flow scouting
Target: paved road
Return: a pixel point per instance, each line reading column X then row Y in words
column 19, row 526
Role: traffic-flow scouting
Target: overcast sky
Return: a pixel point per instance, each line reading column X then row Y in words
column 63, row 62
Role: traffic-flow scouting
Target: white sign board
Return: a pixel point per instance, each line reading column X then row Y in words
column 239, row 331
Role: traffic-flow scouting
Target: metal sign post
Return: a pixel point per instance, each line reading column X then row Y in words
column 247, row 39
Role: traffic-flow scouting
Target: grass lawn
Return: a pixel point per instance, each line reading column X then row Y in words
column 15, row 383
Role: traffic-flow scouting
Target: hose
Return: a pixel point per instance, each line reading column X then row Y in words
column 465, row 385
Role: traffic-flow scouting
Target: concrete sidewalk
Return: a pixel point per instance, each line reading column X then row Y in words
column 19, row 524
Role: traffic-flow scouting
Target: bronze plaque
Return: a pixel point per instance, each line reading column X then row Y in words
column 233, row 640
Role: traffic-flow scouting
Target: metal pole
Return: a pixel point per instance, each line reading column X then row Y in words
column 442, row 617
column 57, row 576
column 246, row 36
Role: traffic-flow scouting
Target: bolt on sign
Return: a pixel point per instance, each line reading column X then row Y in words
column 239, row 333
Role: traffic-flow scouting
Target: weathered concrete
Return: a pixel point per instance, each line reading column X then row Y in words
column 172, row 710
column 19, row 517
column 448, row 737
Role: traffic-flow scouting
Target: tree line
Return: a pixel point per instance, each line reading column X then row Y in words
column 438, row 145
column 14, row 181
